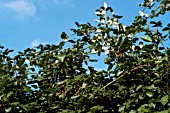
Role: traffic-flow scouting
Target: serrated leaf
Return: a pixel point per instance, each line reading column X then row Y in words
column 147, row 39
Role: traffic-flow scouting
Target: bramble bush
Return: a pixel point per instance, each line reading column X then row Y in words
column 58, row 78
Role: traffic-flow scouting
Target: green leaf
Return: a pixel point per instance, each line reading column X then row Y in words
column 147, row 39
column 60, row 83
column 96, row 108
column 121, row 108
column 64, row 36
column 151, row 87
column 152, row 105
column 26, row 88
column 21, row 61
column 119, row 73
column 8, row 109
column 15, row 103
column 107, row 60
column 32, row 104
column 74, row 97
column 150, row 94
column 10, row 93
column 140, row 86
column 60, row 58
column 61, row 96
column 23, row 107
column 132, row 111
column 164, row 100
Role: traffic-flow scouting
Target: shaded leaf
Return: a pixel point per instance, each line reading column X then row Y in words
column 26, row 88
column 64, row 36
column 10, row 93
column 77, row 24
column 96, row 108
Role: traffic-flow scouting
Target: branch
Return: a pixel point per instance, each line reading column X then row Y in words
column 133, row 69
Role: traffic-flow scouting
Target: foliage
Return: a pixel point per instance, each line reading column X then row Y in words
column 55, row 78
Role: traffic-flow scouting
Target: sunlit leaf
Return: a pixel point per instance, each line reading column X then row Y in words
column 60, row 58
column 150, row 94
column 164, row 100
column 7, row 109
column 147, row 39
column 105, row 5
column 74, row 97
column 121, row 108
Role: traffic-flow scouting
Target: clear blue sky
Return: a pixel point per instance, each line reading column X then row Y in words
column 25, row 23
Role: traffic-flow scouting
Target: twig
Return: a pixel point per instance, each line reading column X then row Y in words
column 135, row 68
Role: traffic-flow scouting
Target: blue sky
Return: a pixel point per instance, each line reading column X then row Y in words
column 26, row 23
